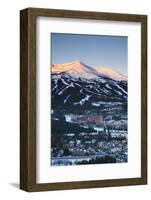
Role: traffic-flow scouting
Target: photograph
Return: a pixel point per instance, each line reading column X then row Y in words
column 89, row 100
column 83, row 99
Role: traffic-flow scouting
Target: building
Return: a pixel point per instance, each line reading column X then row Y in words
column 90, row 120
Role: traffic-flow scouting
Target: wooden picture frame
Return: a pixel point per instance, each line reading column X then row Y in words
column 28, row 98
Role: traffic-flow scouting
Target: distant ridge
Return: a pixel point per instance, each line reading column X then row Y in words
column 113, row 74
column 78, row 69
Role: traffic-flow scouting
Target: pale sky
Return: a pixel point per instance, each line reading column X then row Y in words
column 93, row 50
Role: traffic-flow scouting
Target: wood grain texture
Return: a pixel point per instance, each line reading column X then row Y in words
column 24, row 101
column 27, row 101
column 144, row 99
column 28, row 98
column 86, row 15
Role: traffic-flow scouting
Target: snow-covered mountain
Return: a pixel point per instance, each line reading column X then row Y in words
column 111, row 73
column 75, row 69
column 76, row 84
column 78, row 69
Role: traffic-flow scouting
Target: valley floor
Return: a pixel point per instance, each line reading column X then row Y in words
column 89, row 136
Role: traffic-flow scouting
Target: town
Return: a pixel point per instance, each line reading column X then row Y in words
column 99, row 140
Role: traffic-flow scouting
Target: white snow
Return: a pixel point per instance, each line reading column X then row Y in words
column 81, row 90
column 106, row 91
column 83, row 100
column 96, row 104
column 107, row 85
column 75, row 69
column 61, row 92
column 98, row 129
column 63, row 81
column 91, row 91
column 118, row 92
column 120, row 88
column 65, row 100
column 68, row 118
column 54, row 88
column 77, row 84
column 111, row 73
column 97, row 90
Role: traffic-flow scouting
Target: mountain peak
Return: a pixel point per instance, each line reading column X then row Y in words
column 77, row 62
column 113, row 74
column 76, row 69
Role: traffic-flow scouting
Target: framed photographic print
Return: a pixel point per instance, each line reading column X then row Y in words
column 83, row 93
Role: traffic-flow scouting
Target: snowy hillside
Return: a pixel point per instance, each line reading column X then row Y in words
column 77, row 84
column 75, row 69
column 111, row 73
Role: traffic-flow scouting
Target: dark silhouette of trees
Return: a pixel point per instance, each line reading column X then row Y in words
column 98, row 160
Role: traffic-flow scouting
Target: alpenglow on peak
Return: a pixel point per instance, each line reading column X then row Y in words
column 78, row 69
